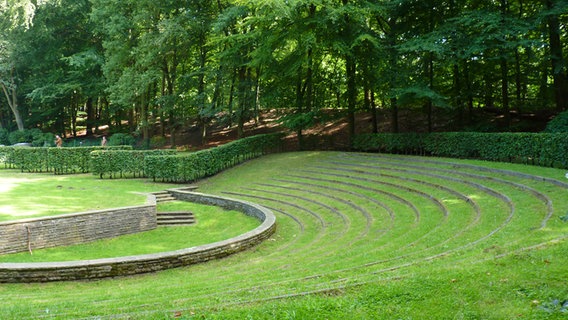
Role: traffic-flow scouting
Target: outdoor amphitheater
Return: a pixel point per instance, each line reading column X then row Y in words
column 352, row 226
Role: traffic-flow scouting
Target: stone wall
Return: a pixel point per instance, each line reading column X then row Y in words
column 121, row 266
column 69, row 229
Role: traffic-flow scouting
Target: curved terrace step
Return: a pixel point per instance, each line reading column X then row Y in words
column 346, row 220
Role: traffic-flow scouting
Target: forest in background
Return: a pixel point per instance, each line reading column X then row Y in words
column 152, row 68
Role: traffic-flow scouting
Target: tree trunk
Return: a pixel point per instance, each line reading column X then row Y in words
column 559, row 75
column 203, row 118
column 394, row 114
column 73, row 106
column 370, row 105
column 505, row 91
column 232, row 98
column 505, row 69
column 243, row 104
column 351, row 69
column 89, row 123
column 457, row 92
column 12, row 97
column 430, row 73
column 143, row 121
column 393, row 63
column 173, row 135
column 300, row 109
column 310, row 72
column 469, row 93
column 518, row 82
column 257, row 98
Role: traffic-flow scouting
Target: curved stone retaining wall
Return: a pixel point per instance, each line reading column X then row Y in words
column 113, row 267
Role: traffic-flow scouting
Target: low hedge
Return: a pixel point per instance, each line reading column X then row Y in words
column 72, row 160
column 543, row 149
column 48, row 159
column 114, row 163
column 117, row 161
column 192, row 166
column 7, row 156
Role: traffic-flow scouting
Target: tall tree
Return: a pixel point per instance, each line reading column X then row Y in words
column 16, row 16
column 168, row 63
column 554, row 9
column 63, row 66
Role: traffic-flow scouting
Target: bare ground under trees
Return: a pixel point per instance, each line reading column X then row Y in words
column 334, row 134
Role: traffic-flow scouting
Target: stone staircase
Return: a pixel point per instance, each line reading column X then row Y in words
column 176, row 218
column 163, row 196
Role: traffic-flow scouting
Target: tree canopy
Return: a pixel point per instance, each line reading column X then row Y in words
column 153, row 67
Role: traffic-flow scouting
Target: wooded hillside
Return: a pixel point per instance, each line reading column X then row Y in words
column 154, row 67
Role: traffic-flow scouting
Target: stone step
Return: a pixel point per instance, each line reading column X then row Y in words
column 175, row 223
column 175, row 218
column 164, row 199
column 163, row 196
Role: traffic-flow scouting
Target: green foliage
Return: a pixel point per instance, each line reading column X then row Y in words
column 300, row 121
column 389, row 143
column 48, row 159
column 4, row 136
column 121, row 139
column 33, row 136
column 114, row 162
column 158, row 141
column 18, row 137
column 544, row 149
column 74, row 160
column 31, row 159
column 118, row 161
column 420, row 94
column 7, row 156
column 200, row 164
column 181, row 61
column 558, row 124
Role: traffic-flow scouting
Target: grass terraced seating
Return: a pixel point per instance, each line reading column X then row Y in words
column 359, row 236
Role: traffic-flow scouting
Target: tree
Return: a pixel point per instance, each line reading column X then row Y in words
column 9, row 87
column 554, row 9
column 173, row 63
column 15, row 16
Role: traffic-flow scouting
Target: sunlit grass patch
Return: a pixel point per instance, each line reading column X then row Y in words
column 25, row 195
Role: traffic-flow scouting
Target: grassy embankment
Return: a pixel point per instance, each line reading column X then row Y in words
column 362, row 237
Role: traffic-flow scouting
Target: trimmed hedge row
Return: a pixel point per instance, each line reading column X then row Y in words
column 7, row 157
column 543, row 149
column 120, row 162
column 47, row 159
column 192, row 166
column 116, row 161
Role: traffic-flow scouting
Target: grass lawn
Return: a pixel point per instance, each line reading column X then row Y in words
column 25, row 195
column 359, row 236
